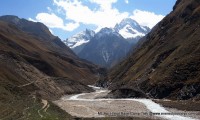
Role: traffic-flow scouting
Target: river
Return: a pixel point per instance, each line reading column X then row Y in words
column 92, row 105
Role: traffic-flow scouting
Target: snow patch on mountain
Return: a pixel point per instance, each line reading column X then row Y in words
column 78, row 43
column 130, row 29
column 127, row 28
column 105, row 55
column 146, row 29
column 129, row 32
column 79, row 39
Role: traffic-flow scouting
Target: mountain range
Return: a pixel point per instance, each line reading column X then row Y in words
column 38, row 68
column 108, row 46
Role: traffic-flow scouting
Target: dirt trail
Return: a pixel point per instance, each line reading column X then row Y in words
column 32, row 82
column 44, row 107
column 27, row 84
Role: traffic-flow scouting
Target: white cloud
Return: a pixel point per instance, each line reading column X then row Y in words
column 126, row 1
column 53, row 21
column 146, row 18
column 104, row 4
column 71, row 26
column 104, row 16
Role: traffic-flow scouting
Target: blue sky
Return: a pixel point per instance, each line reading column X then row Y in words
column 68, row 17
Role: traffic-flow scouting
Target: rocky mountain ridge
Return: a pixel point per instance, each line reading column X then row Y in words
column 78, row 41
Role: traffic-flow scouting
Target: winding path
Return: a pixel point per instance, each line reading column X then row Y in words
column 92, row 105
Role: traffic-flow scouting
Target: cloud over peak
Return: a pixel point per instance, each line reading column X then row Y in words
column 146, row 18
column 104, row 16
column 53, row 21
column 76, row 12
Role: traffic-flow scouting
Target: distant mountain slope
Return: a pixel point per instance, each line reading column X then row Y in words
column 78, row 41
column 35, row 67
column 50, row 50
column 131, row 30
column 41, row 32
column 107, row 50
column 168, row 62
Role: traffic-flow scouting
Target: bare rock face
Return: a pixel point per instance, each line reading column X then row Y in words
column 189, row 91
column 166, row 63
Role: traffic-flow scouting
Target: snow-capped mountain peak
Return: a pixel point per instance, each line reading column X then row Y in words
column 127, row 21
column 80, row 38
column 130, row 29
column 109, row 45
column 129, row 32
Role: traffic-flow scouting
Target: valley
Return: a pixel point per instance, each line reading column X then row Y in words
column 94, row 105
column 125, row 72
